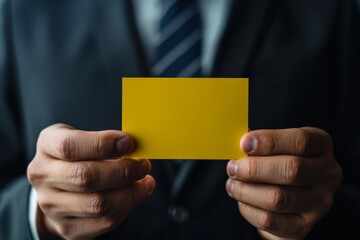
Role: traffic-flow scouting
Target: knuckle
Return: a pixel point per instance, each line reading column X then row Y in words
column 292, row 169
column 67, row 227
column 35, row 174
column 105, row 145
column 268, row 221
column 276, row 199
column 83, row 177
column 67, row 147
column 238, row 191
column 302, row 227
column 271, row 142
column 45, row 203
column 125, row 170
column 98, row 205
column 100, row 146
column 302, row 140
column 108, row 223
column 249, row 168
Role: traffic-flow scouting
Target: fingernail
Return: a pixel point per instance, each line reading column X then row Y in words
column 232, row 168
column 249, row 145
column 124, row 144
column 230, row 186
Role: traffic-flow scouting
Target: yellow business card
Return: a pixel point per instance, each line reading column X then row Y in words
column 185, row 118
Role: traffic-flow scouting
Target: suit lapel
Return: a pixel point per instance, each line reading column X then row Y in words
column 120, row 45
column 241, row 38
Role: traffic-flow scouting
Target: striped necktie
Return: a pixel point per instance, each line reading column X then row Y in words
column 178, row 53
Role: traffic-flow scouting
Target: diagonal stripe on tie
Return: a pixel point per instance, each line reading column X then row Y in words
column 179, row 49
column 170, row 28
column 173, row 55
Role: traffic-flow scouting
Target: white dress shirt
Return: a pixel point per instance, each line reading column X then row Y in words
column 214, row 14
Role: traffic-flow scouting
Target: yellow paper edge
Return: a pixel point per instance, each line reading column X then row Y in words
column 147, row 91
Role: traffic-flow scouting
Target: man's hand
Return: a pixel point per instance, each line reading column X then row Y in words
column 287, row 182
column 84, row 187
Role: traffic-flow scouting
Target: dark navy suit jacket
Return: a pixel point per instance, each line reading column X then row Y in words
column 62, row 61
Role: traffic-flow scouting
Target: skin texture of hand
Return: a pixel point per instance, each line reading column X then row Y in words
column 287, row 182
column 84, row 187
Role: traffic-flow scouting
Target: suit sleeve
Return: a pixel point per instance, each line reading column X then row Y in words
column 343, row 219
column 14, row 187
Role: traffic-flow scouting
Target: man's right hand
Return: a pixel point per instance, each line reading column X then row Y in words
column 84, row 187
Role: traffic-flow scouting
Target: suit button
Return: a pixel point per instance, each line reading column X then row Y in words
column 178, row 214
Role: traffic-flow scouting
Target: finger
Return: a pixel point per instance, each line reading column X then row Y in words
column 275, row 198
column 60, row 204
column 63, row 142
column 284, row 169
column 295, row 141
column 92, row 176
column 279, row 224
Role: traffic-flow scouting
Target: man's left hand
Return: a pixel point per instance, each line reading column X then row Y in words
column 287, row 182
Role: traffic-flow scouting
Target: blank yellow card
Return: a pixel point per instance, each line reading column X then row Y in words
column 185, row 118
